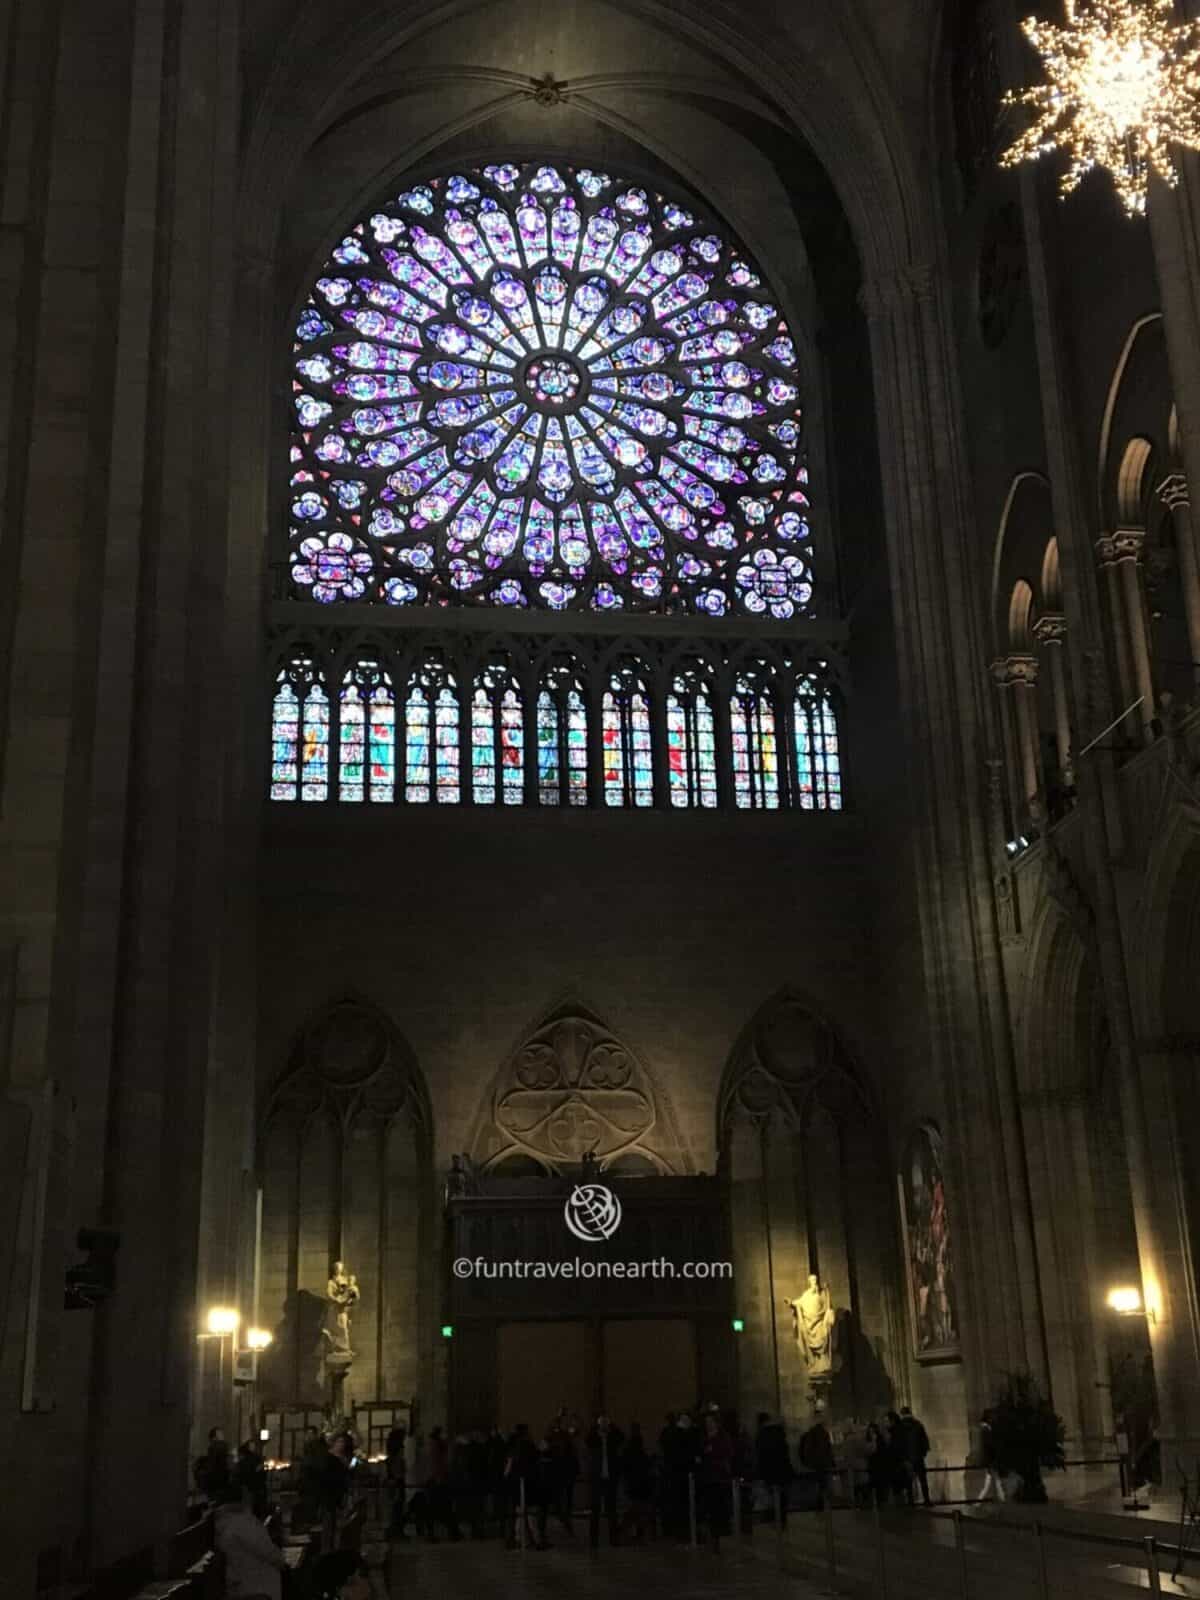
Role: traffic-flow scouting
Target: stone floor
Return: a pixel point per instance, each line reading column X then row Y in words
column 424, row 1572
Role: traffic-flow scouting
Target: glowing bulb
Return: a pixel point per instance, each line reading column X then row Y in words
column 1121, row 84
column 1125, row 1300
column 223, row 1319
column 258, row 1338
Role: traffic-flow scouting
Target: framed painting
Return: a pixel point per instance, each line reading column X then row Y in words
column 928, row 1247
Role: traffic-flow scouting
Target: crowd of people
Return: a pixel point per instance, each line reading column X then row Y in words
column 699, row 1474
column 702, row 1467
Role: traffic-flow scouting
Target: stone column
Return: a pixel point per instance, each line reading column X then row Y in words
column 1050, row 631
column 1128, row 545
column 1173, row 492
column 1106, row 560
column 1017, row 677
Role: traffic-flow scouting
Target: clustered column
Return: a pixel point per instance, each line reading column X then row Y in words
column 1173, row 492
column 1119, row 555
column 1016, row 678
column 1050, row 631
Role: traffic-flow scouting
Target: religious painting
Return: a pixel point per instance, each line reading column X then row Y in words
column 928, row 1247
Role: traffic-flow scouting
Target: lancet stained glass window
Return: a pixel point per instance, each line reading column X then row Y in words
column 755, row 745
column 818, row 760
column 531, row 385
column 300, row 733
column 431, row 736
column 691, row 741
column 562, row 738
column 367, row 735
column 497, row 739
column 628, row 760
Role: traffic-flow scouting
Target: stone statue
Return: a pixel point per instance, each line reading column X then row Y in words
column 460, row 1180
column 589, row 1166
column 814, row 1319
column 344, row 1294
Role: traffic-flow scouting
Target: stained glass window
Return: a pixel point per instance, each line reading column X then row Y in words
column 431, row 762
column 755, row 745
column 818, row 761
column 691, row 741
column 625, row 730
column 300, row 733
column 531, row 385
column 497, row 739
column 562, row 738
column 367, row 735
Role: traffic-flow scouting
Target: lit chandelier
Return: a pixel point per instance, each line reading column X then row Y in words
column 1121, row 87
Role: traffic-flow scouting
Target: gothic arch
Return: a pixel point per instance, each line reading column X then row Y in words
column 1163, row 990
column 344, row 1163
column 572, row 1085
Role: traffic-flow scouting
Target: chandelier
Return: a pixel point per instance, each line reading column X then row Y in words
column 1121, row 83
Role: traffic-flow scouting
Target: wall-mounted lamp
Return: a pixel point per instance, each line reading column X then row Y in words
column 1126, row 1301
column 223, row 1320
column 258, row 1338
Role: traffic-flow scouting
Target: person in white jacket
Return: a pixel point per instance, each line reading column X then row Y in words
column 253, row 1561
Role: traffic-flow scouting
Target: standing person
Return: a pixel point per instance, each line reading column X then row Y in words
column 817, row 1459
column 637, row 1474
column 565, row 1463
column 672, row 1502
column 441, row 1498
column 475, row 1482
column 216, row 1473
column 900, row 1475
column 520, row 1467
column 253, row 1562
column 715, row 1478
column 496, row 1454
column 396, row 1472
column 994, row 1478
column 335, row 1485
column 879, row 1467
column 914, row 1443
column 773, row 1462
column 250, row 1477
column 604, row 1446
column 544, row 1487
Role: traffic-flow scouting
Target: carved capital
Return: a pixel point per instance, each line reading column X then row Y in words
column 1173, row 492
column 1051, row 628
column 886, row 292
column 1128, row 544
column 1105, row 554
column 1015, row 669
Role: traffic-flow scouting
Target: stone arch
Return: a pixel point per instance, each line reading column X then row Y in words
column 1076, row 1159
column 1138, row 406
column 571, row 1085
column 805, row 1164
column 1163, row 990
column 345, row 1140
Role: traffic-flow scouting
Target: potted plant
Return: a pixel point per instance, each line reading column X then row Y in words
column 1027, row 1434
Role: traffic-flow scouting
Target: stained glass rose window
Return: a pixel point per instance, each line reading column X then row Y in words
column 542, row 386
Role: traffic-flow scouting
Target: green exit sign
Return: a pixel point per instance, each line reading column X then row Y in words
column 447, row 1330
column 738, row 1325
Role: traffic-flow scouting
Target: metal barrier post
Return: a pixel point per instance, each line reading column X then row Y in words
column 735, row 1523
column 883, row 1586
column 960, row 1544
column 1039, row 1534
column 830, row 1544
column 777, row 1496
column 521, row 1516
column 692, row 1506
column 1152, row 1573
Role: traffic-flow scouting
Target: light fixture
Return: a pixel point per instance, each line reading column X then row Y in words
column 1120, row 87
column 447, row 1330
column 739, row 1325
column 1126, row 1301
column 223, row 1319
column 258, row 1338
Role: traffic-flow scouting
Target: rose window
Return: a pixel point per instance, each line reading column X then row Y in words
column 541, row 386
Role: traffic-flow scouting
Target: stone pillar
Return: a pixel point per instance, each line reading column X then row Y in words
column 1173, row 492
column 1017, row 677
column 1127, row 547
column 1050, row 631
column 1106, row 560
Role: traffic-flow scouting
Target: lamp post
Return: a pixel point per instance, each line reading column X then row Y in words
column 221, row 1323
column 1125, row 1301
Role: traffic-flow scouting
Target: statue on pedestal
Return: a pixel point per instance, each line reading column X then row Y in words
column 343, row 1294
column 814, row 1321
column 460, row 1180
